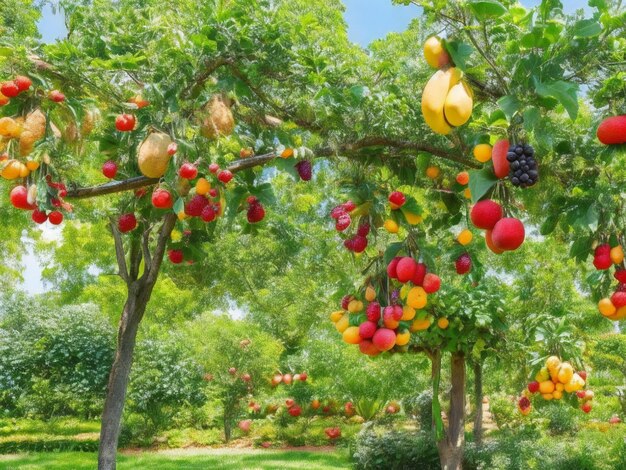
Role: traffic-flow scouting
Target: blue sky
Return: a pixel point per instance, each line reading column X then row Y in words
column 367, row 19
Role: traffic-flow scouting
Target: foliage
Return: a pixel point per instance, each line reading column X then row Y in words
column 57, row 361
column 420, row 406
column 561, row 420
column 376, row 449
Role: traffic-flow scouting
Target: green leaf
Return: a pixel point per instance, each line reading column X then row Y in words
column 564, row 92
column 179, row 205
column 487, row 8
column 580, row 248
column 359, row 92
column 509, row 104
column 531, row 118
column 480, row 182
column 549, row 224
column 391, row 251
column 459, row 52
column 587, row 28
column 452, row 202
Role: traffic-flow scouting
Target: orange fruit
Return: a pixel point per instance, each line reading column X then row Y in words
column 606, row 307
column 467, row 193
column 617, row 254
column 288, row 152
column 202, row 186
column 443, row 323
column 408, row 313
column 432, row 172
column 32, row 165
column 482, row 152
column 403, row 338
column 351, row 335
column 420, row 325
column 462, row 178
column 417, row 298
column 391, row 226
column 465, row 237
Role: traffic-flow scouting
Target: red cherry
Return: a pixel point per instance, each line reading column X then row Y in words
column 225, row 176
column 9, row 89
column 39, row 217
column 175, row 256
column 188, row 171
column 55, row 217
column 109, row 169
column 162, row 199
column 23, row 83
column 56, row 96
column 214, row 168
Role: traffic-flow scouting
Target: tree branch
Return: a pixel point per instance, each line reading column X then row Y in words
column 151, row 272
column 209, row 68
column 145, row 246
column 119, row 252
column 135, row 258
column 74, row 192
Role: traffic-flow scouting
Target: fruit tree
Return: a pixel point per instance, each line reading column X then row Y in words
column 477, row 118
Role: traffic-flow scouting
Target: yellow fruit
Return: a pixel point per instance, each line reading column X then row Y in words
column 617, row 254
column 559, row 387
column 403, row 338
column 542, row 375
column 434, row 99
column 467, row 193
column 9, row 127
column 482, row 152
column 288, row 152
column 408, row 313
column 27, row 143
column 351, row 335
column 32, row 165
column 370, row 294
column 152, row 155
column 547, row 396
column 443, row 323
column 24, row 171
column 575, row 384
column 181, row 215
column 525, row 411
column 343, row 323
column 459, row 103
column 557, row 394
column 355, row 306
column 432, row 172
column 404, row 291
column 412, row 219
column 553, row 363
column 566, row 371
column 606, row 307
column 465, row 237
column 546, row 387
column 336, row 316
column 202, row 186
column 435, row 54
column 391, row 226
column 218, row 118
column 417, row 298
column 11, row 170
column 177, row 236
column 619, row 315
column 420, row 325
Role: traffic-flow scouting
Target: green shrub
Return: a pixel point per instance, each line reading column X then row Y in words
column 504, row 412
column 561, row 418
column 393, row 450
column 420, row 406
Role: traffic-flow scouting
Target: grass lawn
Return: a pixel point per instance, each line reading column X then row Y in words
column 183, row 459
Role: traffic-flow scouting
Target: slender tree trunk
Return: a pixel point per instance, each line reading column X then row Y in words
column 478, row 401
column 452, row 446
column 139, row 292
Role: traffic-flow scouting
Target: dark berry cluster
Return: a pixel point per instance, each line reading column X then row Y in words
column 524, row 171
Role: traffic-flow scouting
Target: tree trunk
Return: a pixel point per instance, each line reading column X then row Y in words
column 139, row 292
column 452, row 446
column 478, row 401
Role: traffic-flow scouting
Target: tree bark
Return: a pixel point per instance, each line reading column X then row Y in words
column 478, row 401
column 139, row 292
column 452, row 446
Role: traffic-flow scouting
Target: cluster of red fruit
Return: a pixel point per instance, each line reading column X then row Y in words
column 293, row 408
column 502, row 233
column 26, row 199
column 555, row 379
column 605, row 256
column 12, row 88
column 126, row 122
column 288, row 379
column 343, row 219
column 383, row 329
column 245, row 377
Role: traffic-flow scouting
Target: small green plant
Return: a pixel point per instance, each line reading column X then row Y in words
column 561, row 419
column 368, row 408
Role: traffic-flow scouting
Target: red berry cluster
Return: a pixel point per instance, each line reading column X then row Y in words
column 26, row 199
column 604, row 257
column 343, row 219
column 256, row 212
column 12, row 88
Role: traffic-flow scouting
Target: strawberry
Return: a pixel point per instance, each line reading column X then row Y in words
column 127, row 222
column 175, row 256
column 343, row 222
column 109, row 169
column 195, row 206
column 256, row 213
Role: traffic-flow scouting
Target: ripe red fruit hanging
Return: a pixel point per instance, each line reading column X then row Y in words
column 39, row 217
column 9, row 89
column 208, row 213
column 405, row 270
column 431, row 283
column 397, row 312
column 620, row 275
column 56, row 96
column 523, row 403
column 127, row 223
column 367, row 329
column 162, row 199
column 55, row 217
column 109, row 169
column 384, row 339
column 214, row 168
column 618, row 299
column 602, row 257
column 372, row 312
column 194, row 207
column 188, row 171
column 363, row 230
column 501, row 165
column 490, row 245
column 337, row 212
column 172, row 148
column 125, row 122
column 397, row 199
column 256, row 212
column 392, row 267
column 295, row 411
column 349, row 206
column 343, row 222
column 586, row 407
column 19, row 198
column 533, row 387
column 582, row 374
column 175, row 256
column 612, row 131
column 463, row 264
column 508, row 234
column 345, row 301
column 23, row 83
column 305, row 170
column 485, row 214
column 225, row 176
column 420, row 272
column 359, row 244
column 368, row 348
